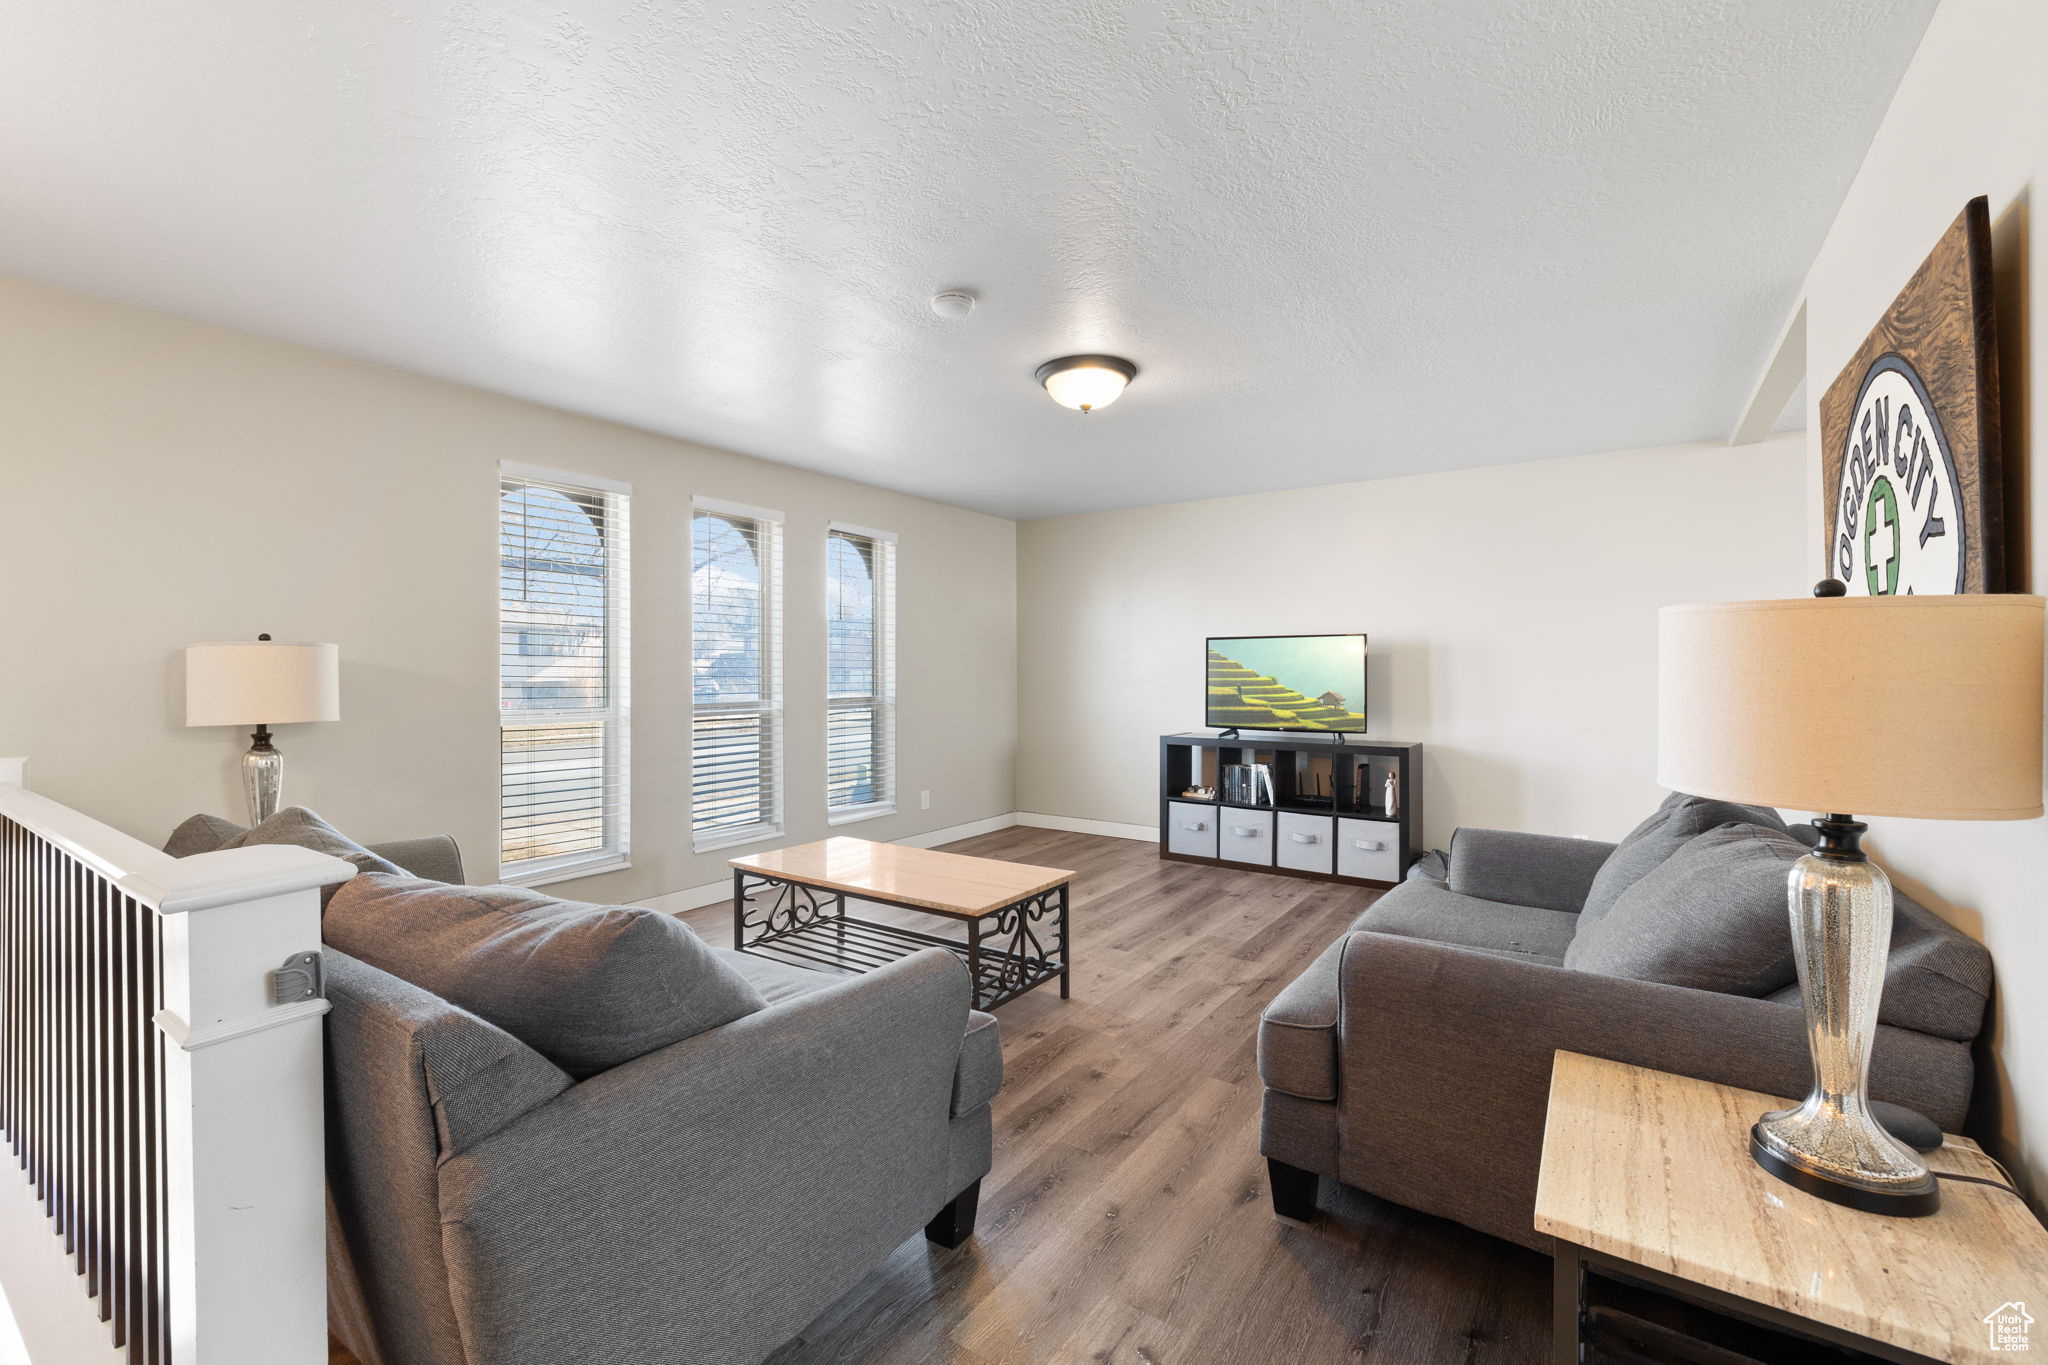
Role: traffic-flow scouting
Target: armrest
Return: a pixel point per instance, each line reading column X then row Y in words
column 434, row 857
column 1544, row 870
column 797, row 1144
column 1445, row 1077
column 1298, row 1031
column 980, row 1072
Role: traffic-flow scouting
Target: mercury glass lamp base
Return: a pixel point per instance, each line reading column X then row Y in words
column 1909, row 1199
column 1832, row 1146
column 262, row 777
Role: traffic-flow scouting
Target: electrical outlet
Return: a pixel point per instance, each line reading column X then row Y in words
column 924, row 800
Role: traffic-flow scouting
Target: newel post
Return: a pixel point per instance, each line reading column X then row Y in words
column 244, row 1128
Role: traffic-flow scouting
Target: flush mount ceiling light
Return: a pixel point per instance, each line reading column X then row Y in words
column 1086, row 382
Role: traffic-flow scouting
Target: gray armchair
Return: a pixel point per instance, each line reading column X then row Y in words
column 1412, row 1059
column 702, row 1202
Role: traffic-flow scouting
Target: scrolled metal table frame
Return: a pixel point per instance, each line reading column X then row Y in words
column 1008, row 951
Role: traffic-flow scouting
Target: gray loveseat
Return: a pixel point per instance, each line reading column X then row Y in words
column 548, row 1191
column 1412, row 1059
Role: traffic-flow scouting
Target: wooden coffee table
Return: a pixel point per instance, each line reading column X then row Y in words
column 791, row 904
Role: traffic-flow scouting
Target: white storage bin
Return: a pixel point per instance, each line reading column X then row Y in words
column 1191, row 829
column 1369, row 849
column 1306, row 843
column 1244, row 836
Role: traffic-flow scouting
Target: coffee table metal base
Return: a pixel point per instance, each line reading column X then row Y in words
column 1008, row 951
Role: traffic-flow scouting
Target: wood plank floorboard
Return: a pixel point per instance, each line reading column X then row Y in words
column 1126, row 1221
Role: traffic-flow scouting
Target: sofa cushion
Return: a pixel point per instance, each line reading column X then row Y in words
column 1667, row 829
column 299, row 826
column 434, row 856
column 776, row 981
column 1937, row 979
column 478, row 1076
column 1519, row 868
column 1711, row 917
column 1424, row 909
column 202, row 834
column 587, row 986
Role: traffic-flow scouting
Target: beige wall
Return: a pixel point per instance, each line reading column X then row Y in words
column 1970, row 118
column 1512, row 615
column 167, row 482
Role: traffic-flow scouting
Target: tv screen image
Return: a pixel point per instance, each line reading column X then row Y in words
column 1287, row 682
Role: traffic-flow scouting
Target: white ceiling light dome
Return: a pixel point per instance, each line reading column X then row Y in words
column 1086, row 382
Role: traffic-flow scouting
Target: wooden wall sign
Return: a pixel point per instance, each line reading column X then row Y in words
column 1909, row 434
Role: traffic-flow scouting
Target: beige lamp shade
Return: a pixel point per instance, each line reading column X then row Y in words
column 261, row 683
column 1913, row 706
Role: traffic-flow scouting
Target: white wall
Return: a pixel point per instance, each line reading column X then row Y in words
column 167, row 482
column 1511, row 610
column 1970, row 118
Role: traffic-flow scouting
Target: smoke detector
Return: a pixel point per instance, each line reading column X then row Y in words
column 953, row 303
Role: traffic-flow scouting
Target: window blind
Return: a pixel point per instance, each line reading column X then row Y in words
column 860, row 673
column 562, row 674
column 736, row 674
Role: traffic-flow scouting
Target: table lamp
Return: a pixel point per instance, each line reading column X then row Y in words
column 1924, row 707
column 261, row 683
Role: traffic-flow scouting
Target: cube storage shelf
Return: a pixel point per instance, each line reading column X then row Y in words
column 1326, row 820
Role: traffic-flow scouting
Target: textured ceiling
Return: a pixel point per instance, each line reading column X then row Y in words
column 1341, row 240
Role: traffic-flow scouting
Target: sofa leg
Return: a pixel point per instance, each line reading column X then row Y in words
column 1294, row 1190
column 955, row 1222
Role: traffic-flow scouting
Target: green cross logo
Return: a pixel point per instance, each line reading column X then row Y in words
column 1885, row 504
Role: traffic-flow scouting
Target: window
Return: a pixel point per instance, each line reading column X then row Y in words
column 562, row 785
column 736, row 669
column 860, row 673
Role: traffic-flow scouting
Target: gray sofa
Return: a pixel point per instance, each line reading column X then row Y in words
column 1412, row 1059
column 545, row 1191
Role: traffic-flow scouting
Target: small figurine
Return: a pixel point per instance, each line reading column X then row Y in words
column 1392, row 794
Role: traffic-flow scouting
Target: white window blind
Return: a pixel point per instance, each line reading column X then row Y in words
column 562, row 674
column 736, row 669
column 860, row 673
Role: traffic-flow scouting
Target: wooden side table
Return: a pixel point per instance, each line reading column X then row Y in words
column 1647, row 1176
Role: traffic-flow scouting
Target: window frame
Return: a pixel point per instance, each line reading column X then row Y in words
column 616, row 716
column 882, row 701
column 771, row 707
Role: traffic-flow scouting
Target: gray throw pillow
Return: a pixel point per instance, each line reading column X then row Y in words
column 1678, row 819
column 202, row 834
column 298, row 826
column 589, row 987
column 1712, row 916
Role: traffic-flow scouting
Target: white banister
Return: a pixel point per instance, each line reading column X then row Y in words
column 165, row 1104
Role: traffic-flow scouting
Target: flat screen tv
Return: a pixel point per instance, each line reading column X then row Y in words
column 1287, row 682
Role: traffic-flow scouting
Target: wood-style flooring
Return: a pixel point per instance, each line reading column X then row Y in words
column 1126, row 1221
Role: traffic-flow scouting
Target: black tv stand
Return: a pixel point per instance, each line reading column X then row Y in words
column 1328, row 818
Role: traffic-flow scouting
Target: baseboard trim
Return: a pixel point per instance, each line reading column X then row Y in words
column 696, row 897
column 966, row 831
column 1074, row 824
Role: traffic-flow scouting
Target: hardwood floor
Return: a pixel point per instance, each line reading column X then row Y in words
column 1126, row 1221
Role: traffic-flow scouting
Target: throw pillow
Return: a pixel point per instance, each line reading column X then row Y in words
column 1712, row 916
column 299, row 826
column 202, row 834
column 589, row 987
column 1679, row 818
